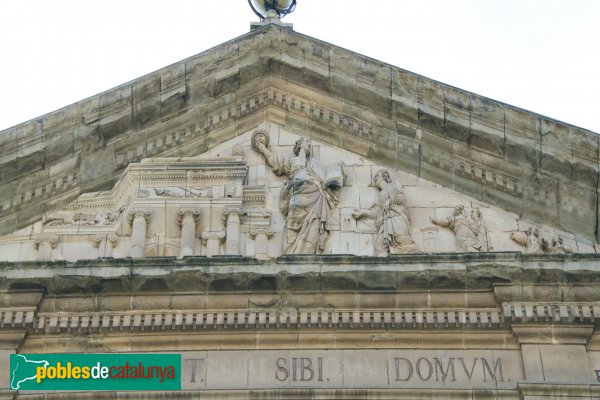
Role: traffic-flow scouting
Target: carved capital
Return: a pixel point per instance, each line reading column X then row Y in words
column 232, row 210
column 214, row 235
column 97, row 239
column 144, row 211
column 261, row 231
column 46, row 238
column 111, row 237
column 548, row 334
column 191, row 210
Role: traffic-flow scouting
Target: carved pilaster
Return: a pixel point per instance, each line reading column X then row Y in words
column 106, row 244
column 232, row 218
column 260, row 230
column 213, row 240
column 552, row 332
column 261, row 238
column 187, row 218
column 44, row 243
column 138, row 217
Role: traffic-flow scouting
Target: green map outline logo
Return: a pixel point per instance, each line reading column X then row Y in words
column 86, row 372
column 13, row 372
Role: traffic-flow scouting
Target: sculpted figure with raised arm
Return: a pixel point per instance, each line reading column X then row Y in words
column 307, row 197
column 391, row 217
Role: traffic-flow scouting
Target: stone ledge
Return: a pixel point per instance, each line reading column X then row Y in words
column 558, row 277
column 442, row 318
column 395, row 319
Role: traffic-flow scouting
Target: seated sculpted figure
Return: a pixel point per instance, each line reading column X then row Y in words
column 307, row 197
column 391, row 217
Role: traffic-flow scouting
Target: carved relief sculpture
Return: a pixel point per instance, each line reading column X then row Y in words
column 213, row 240
column 44, row 243
column 232, row 218
column 531, row 239
column 469, row 231
column 307, row 197
column 261, row 238
column 534, row 243
column 82, row 218
column 558, row 247
column 391, row 217
column 105, row 244
column 187, row 217
column 138, row 218
column 174, row 192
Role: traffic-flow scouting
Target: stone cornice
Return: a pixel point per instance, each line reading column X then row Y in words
column 556, row 313
column 499, row 272
column 472, row 319
column 452, row 137
column 394, row 319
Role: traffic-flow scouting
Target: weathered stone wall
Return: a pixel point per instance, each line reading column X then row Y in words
column 486, row 325
column 541, row 169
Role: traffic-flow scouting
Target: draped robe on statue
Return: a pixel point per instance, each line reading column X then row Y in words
column 392, row 223
column 306, row 201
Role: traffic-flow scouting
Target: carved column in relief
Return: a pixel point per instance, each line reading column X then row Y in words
column 138, row 218
column 106, row 244
column 213, row 241
column 44, row 244
column 232, row 218
column 187, row 217
column 261, row 238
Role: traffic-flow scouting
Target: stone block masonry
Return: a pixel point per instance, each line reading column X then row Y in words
column 541, row 169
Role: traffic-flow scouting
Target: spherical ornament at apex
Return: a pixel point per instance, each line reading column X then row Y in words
column 282, row 7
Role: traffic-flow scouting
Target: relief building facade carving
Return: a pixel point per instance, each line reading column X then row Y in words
column 310, row 227
column 275, row 197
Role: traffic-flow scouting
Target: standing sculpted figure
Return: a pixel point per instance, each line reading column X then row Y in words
column 307, row 197
column 391, row 217
column 470, row 233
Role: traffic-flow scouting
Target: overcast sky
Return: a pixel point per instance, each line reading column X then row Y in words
column 541, row 55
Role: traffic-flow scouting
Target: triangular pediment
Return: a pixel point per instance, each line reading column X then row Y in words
column 240, row 201
column 537, row 169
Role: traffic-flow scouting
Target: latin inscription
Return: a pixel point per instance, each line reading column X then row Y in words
column 301, row 369
column 361, row 368
column 195, row 364
column 449, row 369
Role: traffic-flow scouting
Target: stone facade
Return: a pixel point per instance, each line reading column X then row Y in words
column 519, row 161
column 216, row 203
column 299, row 221
column 477, row 325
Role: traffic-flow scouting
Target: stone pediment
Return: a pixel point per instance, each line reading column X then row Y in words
column 292, row 196
column 542, row 170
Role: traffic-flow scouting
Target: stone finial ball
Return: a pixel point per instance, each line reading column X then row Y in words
column 278, row 5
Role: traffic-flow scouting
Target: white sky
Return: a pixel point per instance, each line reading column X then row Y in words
column 541, row 55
